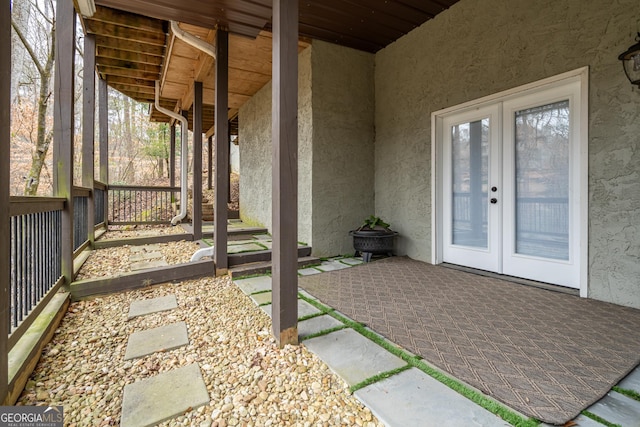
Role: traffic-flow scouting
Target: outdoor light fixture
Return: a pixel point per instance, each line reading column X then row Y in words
column 631, row 62
column 87, row 7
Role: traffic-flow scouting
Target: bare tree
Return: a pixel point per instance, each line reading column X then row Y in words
column 40, row 45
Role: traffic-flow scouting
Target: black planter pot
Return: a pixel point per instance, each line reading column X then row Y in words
column 373, row 242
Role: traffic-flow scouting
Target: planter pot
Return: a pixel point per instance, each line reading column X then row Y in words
column 373, row 242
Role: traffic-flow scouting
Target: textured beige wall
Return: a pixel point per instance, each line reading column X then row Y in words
column 343, row 150
column 335, row 148
column 477, row 48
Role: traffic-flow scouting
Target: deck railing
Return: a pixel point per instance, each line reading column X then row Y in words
column 80, row 218
column 100, row 203
column 141, row 205
column 36, row 258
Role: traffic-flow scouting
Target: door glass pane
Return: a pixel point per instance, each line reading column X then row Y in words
column 542, row 181
column 470, row 148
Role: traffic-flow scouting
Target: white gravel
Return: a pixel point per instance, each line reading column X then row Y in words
column 250, row 381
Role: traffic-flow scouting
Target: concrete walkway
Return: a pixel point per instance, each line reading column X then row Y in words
column 397, row 393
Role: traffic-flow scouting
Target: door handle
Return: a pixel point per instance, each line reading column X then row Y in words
column 494, row 200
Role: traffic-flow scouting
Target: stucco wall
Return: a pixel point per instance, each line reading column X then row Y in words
column 254, row 134
column 343, row 142
column 335, row 148
column 479, row 48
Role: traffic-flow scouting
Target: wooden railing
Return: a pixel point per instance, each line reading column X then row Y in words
column 36, row 258
column 100, row 203
column 81, row 198
column 141, row 205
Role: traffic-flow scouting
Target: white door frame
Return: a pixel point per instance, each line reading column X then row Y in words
column 580, row 75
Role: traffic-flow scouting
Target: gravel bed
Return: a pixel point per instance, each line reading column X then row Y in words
column 250, row 381
column 111, row 262
column 126, row 231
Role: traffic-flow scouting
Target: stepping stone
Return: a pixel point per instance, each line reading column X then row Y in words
column 304, row 309
column 145, row 256
column 352, row 356
column 165, row 396
column 265, row 237
column 580, row 421
column 307, row 294
column 332, row 266
column 144, row 265
column 153, row 305
column 254, row 284
column 309, row 271
column 631, row 381
column 248, row 247
column 262, row 298
column 351, row 261
column 317, row 324
column 167, row 337
column 617, row 409
column 413, row 398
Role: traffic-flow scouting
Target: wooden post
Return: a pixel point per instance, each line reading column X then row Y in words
column 5, row 151
column 103, row 122
column 63, row 126
column 221, row 207
column 172, row 156
column 285, row 172
column 196, row 219
column 88, row 128
column 210, row 162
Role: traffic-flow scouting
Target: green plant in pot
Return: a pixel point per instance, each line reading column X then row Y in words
column 373, row 237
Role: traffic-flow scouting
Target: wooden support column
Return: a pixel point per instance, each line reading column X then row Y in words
column 196, row 219
column 221, row 207
column 210, row 162
column 88, row 127
column 103, row 125
column 5, row 155
column 63, row 126
column 285, row 172
column 172, row 155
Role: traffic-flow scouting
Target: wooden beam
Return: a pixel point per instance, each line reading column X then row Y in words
column 125, row 19
column 210, row 162
column 220, row 207
column 129, row 45
column 88, row 127
column 127, row 72
column 285, row 172
column 172, row 155
column 5, row 156
column 125, row 55
column 196, row 219
column 130, row 65
column 103, row 122
column 157, row 38
column 63, row 126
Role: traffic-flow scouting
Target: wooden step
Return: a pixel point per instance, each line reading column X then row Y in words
column 264, row 267
column 262, row 256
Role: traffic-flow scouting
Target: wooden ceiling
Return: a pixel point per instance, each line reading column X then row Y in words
column 135, row 46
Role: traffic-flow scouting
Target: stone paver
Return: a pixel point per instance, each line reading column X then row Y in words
column 309, row 271
column 617, row 409
column 248, row 247
column 153, row 305
column 631, row 381
column 145, row 256
column 413, row 398
column 351, row 261
column 317, row 324
column 166, row 337
column 254, row 284
column 352, row 356
column 143, row 265
column 167, row 395
column 332, row 265
column 262, row 298
column 304, row 309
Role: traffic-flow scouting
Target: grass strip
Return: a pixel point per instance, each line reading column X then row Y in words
column 323, row 332
column 310, row 316
column 416, row 361
column 629, row 393
column 594, row 417
column 251, row 276
column 379, row 377
column 265, row 291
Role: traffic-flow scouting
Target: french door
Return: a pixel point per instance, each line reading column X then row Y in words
column 511, row 186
